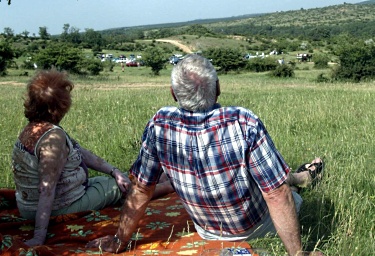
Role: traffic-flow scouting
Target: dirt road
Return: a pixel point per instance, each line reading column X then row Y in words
column 183, row 47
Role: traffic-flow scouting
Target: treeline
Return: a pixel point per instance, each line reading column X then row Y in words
column 359, row 29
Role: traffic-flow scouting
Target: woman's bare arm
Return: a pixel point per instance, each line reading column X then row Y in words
column 52, row 153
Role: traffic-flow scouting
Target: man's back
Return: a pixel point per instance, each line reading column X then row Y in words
column 215, row 161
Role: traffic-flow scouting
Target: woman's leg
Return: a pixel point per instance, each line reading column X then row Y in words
column 101, row 192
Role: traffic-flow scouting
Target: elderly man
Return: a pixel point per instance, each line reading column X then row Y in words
column 221, row 162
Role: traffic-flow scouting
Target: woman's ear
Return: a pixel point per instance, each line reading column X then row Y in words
column 174, row 96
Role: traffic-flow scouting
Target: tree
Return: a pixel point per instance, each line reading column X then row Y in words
column 43, row 33
column 25, row 34
column 8, row 32
column 155, row 58
column 225, row 59
column 92, row 39
column 74, row 35
column 64, row 34
column 356, row 62
column 63, row 56
column 6, row 56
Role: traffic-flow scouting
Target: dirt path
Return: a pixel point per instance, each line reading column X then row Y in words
column 183, row 47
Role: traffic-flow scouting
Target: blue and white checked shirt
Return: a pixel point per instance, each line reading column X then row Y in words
column 217, row 161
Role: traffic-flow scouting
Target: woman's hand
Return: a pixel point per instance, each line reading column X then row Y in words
column 122, row 180
column 34, row 241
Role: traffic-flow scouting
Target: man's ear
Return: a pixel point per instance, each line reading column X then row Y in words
column 174, row 96
column 218, row 92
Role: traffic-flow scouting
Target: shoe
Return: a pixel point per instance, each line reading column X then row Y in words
column 316, row 174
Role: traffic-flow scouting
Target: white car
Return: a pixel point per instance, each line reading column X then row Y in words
column 119, row 60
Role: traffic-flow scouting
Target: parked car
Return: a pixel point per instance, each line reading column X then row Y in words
column 119, row 60
column 174, row 60
column 132, row 64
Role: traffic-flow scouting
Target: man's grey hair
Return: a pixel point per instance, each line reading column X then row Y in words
column 194, row 83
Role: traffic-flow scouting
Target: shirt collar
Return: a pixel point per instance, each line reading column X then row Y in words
column 215, row 106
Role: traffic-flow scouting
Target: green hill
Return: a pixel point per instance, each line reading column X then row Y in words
column 355, row 19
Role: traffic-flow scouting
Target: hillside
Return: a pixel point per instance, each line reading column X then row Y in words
column 356, row 19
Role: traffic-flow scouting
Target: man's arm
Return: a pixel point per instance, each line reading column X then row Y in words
column 284, row 216
column 132, row 211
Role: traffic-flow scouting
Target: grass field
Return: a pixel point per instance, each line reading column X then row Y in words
column 305, row 119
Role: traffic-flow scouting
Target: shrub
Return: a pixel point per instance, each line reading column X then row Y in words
column 322, row 79
column 225, row 59
column 320, row 61
column 261, row 64
column 155, row 58
column 6, row 56
column 63, row 56
column 356, row 62
column 94, row 66
column 283, row 71
column 27, row 64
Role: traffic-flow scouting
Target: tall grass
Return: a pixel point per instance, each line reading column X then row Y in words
column 305, row 119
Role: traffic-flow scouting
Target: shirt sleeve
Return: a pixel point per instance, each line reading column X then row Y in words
column 147, row 167
column 267, row 166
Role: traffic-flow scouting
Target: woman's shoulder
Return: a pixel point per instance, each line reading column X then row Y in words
column 33, row 131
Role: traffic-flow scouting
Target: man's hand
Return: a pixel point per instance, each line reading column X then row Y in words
column 107, row 244
column 132, row 211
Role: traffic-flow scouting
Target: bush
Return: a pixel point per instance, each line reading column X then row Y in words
column 261, row 64
column 322, row 79
column 94, row 66
column 6, row 56
column 356, row 62
column 225, row 59
column 283, row 71
column 27, row 64
column 63, row 56
column 155, row 58
column 320, row 61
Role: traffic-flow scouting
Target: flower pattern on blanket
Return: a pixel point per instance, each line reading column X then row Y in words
column 166, row 229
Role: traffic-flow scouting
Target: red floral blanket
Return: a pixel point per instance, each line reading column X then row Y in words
column 166, row 229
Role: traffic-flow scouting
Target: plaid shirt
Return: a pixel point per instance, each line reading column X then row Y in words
column 217, row 161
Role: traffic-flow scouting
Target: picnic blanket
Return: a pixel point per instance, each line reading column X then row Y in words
column 165, row 229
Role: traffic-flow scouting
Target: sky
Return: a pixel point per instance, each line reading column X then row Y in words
column 29, row 15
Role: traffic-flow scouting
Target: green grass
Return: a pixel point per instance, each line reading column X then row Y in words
column 305, row 119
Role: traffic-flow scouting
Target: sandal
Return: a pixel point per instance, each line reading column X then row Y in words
column 316, row 174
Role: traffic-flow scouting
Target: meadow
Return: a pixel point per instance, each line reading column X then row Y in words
column 305, row 119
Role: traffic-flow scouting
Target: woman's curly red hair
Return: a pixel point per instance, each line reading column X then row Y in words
column 48, row 97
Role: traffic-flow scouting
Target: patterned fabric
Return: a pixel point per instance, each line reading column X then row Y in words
column 218, row 162
column 69, row 188
column 165, row 229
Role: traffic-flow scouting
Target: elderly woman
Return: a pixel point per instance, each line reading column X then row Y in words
column 50, row 168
